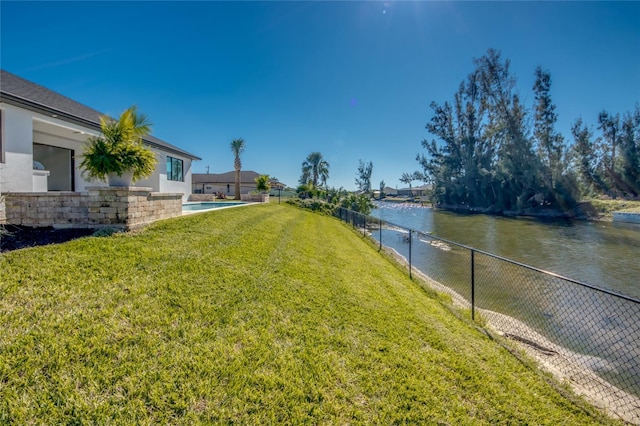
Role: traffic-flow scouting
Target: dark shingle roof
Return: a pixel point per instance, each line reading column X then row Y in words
column 228, row 177
column 17, row 91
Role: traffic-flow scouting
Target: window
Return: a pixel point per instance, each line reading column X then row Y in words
column 174, row 169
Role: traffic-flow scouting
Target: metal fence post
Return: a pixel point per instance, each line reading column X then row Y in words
column 364, row 225
column 473, row 286
column 410, row 268
column 380, row 226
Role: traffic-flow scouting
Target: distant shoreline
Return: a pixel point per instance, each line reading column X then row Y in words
column 585, row 211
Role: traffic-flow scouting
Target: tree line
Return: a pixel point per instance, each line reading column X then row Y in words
column 490, row 152
column 317, row 196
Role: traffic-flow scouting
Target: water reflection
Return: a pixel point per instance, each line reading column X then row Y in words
column 601, row 331
column 599, row 253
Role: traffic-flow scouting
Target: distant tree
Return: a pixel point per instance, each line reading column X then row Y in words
column 237, row 146
column 549, row 142
column 305, row 190
column 407, row 178
column 517, row 175
column 382, row 187
column 620, row 152
column 483, row 155
column 609, row 125
column 559, row 188
column 609, row 164
column 360, row 203
column 363, row 177
column 630, row 152
column 461, row 162
column 585, row 158
column 314, row 170
column 335, row 195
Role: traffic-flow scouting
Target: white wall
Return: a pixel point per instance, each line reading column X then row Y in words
column 175, row 186
column 16, row 173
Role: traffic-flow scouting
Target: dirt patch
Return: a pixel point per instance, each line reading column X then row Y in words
column 14, row 237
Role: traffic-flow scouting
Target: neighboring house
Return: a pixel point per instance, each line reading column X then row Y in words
column 42, row 137
column 390, row 192
column 416, row 191
column 213, row 183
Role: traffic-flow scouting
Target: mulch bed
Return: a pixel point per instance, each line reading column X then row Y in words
column 16, row 237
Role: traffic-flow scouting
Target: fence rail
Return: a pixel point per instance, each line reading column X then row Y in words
column 587, row 336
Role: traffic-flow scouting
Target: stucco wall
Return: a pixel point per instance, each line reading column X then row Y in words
column 176, row 186
column 16, row 171
column 22, row 128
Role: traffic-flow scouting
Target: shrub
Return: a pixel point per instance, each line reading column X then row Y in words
column 315, row 205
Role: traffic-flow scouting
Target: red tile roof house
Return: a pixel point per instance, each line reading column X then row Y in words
column 42, row 138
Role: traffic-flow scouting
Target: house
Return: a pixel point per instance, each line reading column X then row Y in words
column 225, row 183
column 42, row 136
column 390, row 192
column 416, row 191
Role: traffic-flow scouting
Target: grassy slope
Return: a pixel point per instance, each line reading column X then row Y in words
column 263, row 314
column 605, row 208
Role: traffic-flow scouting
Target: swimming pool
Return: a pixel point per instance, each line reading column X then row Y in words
column 209, row 205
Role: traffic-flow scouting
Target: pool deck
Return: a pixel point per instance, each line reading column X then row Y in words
column 231, row 205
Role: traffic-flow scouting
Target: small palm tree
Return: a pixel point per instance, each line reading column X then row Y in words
column 237, row 146
column 315, row 169
column 119, row 149
column 262, row 183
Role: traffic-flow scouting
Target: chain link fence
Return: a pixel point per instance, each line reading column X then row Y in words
column 584, row 335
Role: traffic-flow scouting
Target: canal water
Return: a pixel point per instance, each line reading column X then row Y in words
column 603, row 254
column 605, row 329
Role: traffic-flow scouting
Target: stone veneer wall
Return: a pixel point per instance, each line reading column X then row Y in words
column 3, row 215
column 201, row 197
column 260, row 198
column 114, row 207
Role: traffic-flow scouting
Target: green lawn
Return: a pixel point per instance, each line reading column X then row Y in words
column 605, row 208
column 263, row 314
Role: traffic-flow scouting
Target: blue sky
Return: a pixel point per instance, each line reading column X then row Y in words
column 352, row 80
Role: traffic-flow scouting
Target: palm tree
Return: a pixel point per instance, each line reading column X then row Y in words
column 120, row 148
column 315, row 168
column 237, row 146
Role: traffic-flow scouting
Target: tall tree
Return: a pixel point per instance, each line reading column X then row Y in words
column 630, row 152
column 609, row 126
column 315, row 169
column 483, row 153
column 620, row 152
column 585, row 158
column 237, row 146
column 459, row 164
column 516, row 170
column 363, row 177
column 407, row 178
column 610, row 164
column 382, row 186
column 549, row 142
column 559, row 185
